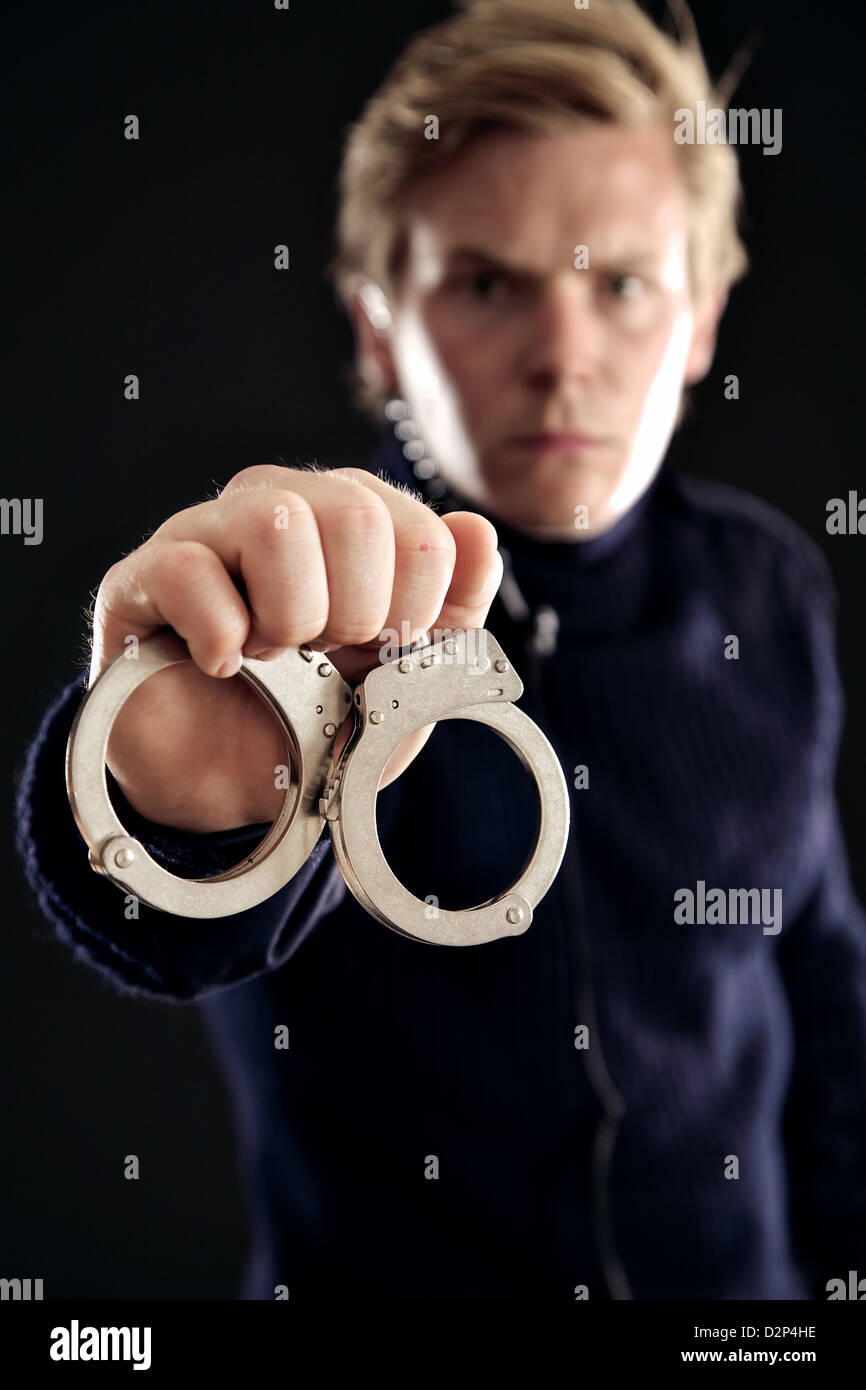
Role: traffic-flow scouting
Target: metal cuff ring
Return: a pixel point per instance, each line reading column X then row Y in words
column 309, row 698
column 448, row 680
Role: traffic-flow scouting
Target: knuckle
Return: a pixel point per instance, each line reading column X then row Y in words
column 306, row 631
column 358, row 515
column 112, row 581
column 182, row 562
column 350, row 475
column 290, row 629
column 174, row 526
column 109, row 595
column 352, row 630
column 257, row 475
column 427, row 538
column 231, row 631
column 358, row 616
column 122, row 584
column 271, row 514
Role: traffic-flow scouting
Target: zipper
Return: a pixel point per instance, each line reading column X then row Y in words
column 538, row 629
column 612, row 1102
column 540, row 645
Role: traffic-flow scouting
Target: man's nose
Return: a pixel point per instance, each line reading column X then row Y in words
column 564, row 336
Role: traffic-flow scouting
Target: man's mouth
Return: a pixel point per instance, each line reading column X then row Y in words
column 558, row 440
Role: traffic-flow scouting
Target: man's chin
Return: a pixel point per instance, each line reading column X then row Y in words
column 565, row 512
column 566, row 523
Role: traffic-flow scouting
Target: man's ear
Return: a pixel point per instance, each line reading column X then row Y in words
column 702, row 349
column 371, row 320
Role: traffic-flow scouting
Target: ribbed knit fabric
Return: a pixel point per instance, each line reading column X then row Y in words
column 432, row 1130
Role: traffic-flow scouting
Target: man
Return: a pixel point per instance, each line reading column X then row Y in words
column 643, row 1095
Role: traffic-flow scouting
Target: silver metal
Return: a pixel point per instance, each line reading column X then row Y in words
column 287, row 684
column 456, row 686
column 467, row 676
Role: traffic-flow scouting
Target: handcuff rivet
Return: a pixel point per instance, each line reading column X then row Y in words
column 325, row 669
column 330, row 730
column 123, row 858
column 376, row 716
column 450, row 646
column 514, row 915
column 428, row 661
column 404, row 666
column 502, row 665
column 305, row 653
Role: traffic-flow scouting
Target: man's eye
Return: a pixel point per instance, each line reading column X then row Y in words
column 626, row 286
column 484, row 282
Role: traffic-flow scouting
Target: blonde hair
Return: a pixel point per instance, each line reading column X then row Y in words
column 528, row 65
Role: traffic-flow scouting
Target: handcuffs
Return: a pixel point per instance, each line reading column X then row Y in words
column 465, row 675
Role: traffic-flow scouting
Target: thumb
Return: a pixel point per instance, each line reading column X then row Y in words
column 477, row 571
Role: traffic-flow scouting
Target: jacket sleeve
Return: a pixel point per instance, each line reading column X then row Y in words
column 824, row 964
column 157, row 955
column 823, row 961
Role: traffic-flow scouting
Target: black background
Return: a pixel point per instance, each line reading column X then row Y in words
column 156, row 257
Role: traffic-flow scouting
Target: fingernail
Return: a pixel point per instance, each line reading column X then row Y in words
column 267, row 653
column 231, row 665
column 494, row 574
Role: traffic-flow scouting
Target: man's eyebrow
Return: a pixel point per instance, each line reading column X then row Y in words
column 637, row 257
column 479, row 254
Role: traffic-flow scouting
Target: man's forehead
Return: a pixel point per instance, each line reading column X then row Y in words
column 534, row 197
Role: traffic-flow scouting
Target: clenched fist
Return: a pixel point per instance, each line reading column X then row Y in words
column 283, row 557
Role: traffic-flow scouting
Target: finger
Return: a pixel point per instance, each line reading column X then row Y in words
column 418, row 562
column 179, row 583
column 356, row 541
column 474, row 582
column 425, row 557
column 477, row 572
column 268, row 537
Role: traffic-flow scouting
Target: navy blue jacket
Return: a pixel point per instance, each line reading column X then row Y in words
column 710, row 1141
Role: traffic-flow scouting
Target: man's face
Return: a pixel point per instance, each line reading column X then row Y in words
column 538, row 387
